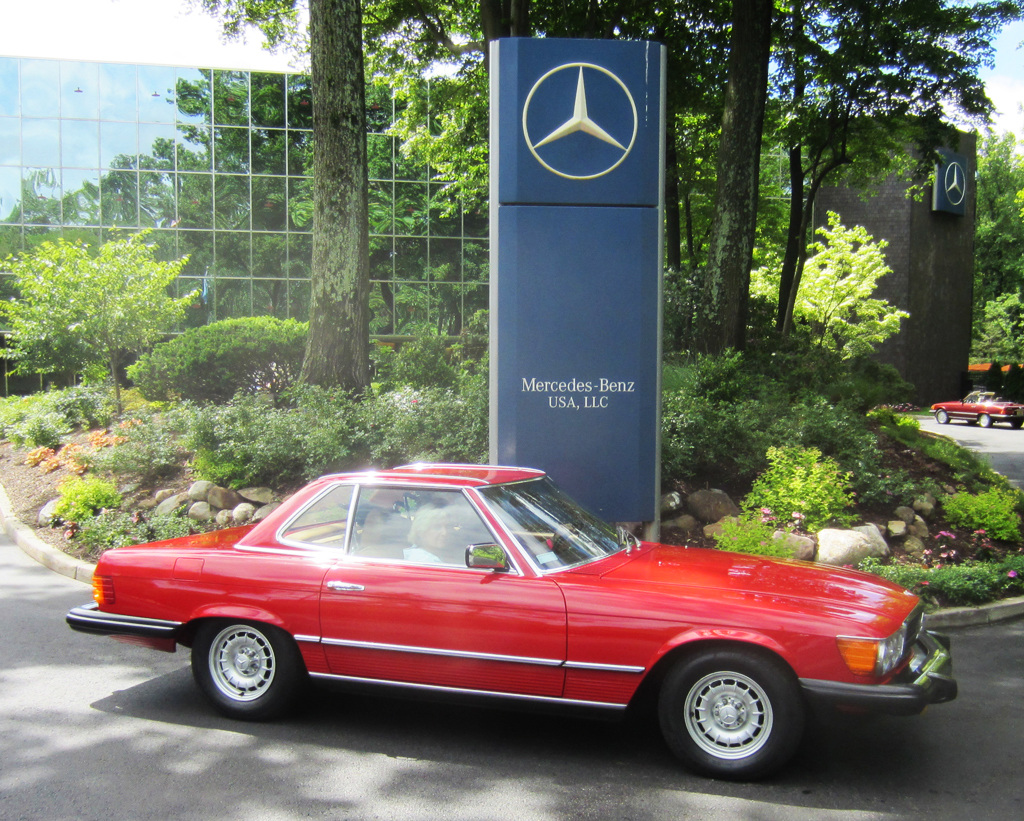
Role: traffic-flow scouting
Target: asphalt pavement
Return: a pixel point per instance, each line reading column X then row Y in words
column 1000, row 444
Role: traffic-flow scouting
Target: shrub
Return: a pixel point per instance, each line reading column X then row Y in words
column 43, row 419
column 799, row 480
column 214, row 362
column 994, row 511
column 149, row 450
column 81, row 499
column 421, row 363
column 749, row 534
column 116, row 529
column 970, row 583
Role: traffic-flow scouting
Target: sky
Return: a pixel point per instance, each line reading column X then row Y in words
column 168, row 32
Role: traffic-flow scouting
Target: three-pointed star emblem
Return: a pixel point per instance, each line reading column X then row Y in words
column 955, row 183
column 580, row 121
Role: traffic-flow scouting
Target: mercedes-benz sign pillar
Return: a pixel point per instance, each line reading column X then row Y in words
column 577, row 207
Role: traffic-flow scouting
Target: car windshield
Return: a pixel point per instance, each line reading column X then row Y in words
column 552, row 527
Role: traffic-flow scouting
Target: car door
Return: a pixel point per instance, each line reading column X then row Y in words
column 402, row 605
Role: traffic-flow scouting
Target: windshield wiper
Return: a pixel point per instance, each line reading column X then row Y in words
column 627, row 539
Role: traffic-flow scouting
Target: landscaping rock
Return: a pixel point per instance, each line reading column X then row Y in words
column 925, row 505
column 200, row 511
column 128, row 489
column 803, row 547
column 223, row 498
column 170, row 504
column 919, row 528
column 266, row 510
column 671, row 502
column 914, row 547
column 146, row 504
column 223, row 518
column 711, row 505
column 712, row 530
column 243, row 513
column 165, row 493
column 257, row 495
column 905, row 513
column 46, row 514
column 897, row 529
column 878, row 543
column 844, row 547
column 200, row 490
column 685, row 523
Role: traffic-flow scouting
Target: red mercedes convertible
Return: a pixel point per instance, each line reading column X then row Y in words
column 489, row 582
column 980, row 408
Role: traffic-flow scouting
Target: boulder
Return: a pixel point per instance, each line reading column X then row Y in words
column 242, row 513
column 146, row 504
column 223, row 518
column 712, row 530
column 878, row 543
column 845, row 547
column 257, row 495
column 711, row 505
column 919, row 528
column 262, row 512
column 925, row 505
column 803, row 547
column 46, row 514
column 200, row 490
column 165, row 493
column 170, row 504
column 671, row 502
column 905, row 514
column 914, row 547
column 223, row 498
column 685, row 523
column 897, row 529
column 200, row 511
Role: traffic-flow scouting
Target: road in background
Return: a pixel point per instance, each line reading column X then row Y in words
column 1000, row 444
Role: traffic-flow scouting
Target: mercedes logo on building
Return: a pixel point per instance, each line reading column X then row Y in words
column 955, row 183
column 580, row 121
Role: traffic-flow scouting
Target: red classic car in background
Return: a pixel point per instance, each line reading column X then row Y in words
column 490, row 582
column 980, row 408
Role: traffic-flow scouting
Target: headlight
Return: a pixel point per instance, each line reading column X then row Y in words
column 873, row 657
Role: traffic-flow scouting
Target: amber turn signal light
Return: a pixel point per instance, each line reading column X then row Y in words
column 103, row 590
column 860, row 655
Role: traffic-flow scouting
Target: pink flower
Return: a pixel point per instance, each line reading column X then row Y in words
column 1012, row 574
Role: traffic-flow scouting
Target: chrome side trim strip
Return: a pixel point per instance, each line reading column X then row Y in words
column 313, row 639
column 608, row 668
column 430, row 651
column 469, row 691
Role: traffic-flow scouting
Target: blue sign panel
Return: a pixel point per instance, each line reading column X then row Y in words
column 950, row 191
column 576, row 255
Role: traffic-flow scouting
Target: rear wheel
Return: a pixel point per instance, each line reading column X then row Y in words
column 985, row 420
column 942, row 417
column 1016, row 424
column 247, row 670
column 731, row 713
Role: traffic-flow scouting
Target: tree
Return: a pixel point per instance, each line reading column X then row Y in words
column 77, row 309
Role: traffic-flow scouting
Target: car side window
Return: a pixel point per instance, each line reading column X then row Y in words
column 415, row 526
column 324, row 521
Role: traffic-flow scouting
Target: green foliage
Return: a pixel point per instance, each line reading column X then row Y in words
column 970, row 583
column 999, row 332
column 867, row 384
column 80, row 499
column 43, row 419
column 116, row 529
column 421, row 363
column 214, row 362
column 801, row 481
column 750, row 534
column 150, row 450
column 994, row 511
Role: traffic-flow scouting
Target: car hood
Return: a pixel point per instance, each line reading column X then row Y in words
column 738, row 573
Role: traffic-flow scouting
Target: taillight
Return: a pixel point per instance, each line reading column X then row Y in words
column 103, row 590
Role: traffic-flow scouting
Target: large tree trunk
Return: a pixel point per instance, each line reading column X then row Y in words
column 337, row 353
column 723, row 309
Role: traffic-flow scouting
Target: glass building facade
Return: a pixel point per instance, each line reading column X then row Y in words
column 216, row 163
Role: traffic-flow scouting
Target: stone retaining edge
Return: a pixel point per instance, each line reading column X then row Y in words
column 61, row 562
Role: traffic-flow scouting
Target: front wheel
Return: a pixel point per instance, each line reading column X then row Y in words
column 247, row 670
column 985, row 420
column 731, row 713
column 942, row 417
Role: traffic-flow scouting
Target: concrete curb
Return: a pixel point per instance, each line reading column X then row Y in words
column 51, row 557
column 61, row 562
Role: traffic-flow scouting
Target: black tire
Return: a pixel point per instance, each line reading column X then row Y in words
column 1016, row 424
column 985, row 420
column 247, row 670
column 732, row 713
column 942, row 417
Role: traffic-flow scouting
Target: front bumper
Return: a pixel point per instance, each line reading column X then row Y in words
column 927, row 679
column 89, row 619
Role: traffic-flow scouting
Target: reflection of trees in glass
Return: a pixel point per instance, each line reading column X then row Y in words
column 40, row 196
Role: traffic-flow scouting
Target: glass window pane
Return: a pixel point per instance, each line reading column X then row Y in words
column 382, row 258
column 379, row 109
column 198, row 245
column 81, row 196
column 269, row 204
column 41, row 196
column 379, row 150
column 232, row 297
column 475, row 261
column 410, row 309
column 325, row 521
column 195, row 200
column 231, row 98
column 298, row 299
column 300, row 102
column 231, row 150
column 34, row 237
column 445, row 214
column 474, row 299
column 300, row 256
column 445, row 260
column 10, row 243
column 80, row 90
column 156, row 200
column 381, row 204
column 446, row 308
column 194, row 95
column 164, row 242
column 9, row 103
column 80, row 143
column 231, row 203
column 118, row 93
column 411, row 259
column 233, row 254
column 270, row 297
column 40, row 88
column 193, row 148
column 10, row 141
column 40, row 140
column 300, row 204
column 411, row 208
column 119, row 199
column 475, row 222
column 268, row 92
column 156, row 146
column 157, row 94
column 119, row 145
column 268, row 151
column 300, row 153
column 382, row 308
column 268, row 255
column 10, row 195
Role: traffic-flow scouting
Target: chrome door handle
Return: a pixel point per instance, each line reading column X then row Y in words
column 342, row 587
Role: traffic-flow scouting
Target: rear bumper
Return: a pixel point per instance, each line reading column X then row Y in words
column 927, row 679
column 89, row 619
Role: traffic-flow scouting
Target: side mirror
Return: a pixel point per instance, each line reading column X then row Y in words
column 487, row 557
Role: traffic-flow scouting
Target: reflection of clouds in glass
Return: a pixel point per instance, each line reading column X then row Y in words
column 40, row 141
column 80, row 143
column 40, row 83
